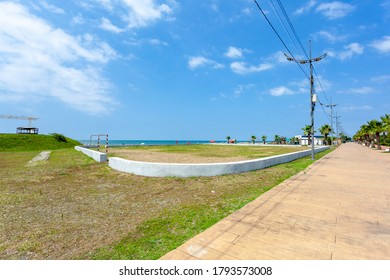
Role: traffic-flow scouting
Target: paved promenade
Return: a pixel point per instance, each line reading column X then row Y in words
column 338, row 208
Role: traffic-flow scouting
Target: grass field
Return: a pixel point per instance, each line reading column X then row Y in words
column 33, row 142
column 71, row 207
column 203, row 153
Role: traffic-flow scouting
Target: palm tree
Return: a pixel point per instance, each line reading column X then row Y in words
column 307, row 132
column 325, row 130
column 293, row 140
column 228, row 139
column 277, row 139
column 359, row 136
column 386, row 124
column 364, row 131
column 375, row 129
column 264, row 138
column 253, row 139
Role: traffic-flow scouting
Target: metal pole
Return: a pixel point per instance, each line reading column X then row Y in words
column 312, row 104
column 106, row 143
column 312, row 101
column 331, row 120
column 337, row 127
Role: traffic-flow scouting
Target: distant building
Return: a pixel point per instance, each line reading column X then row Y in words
column 27, row 130
column 303, row 140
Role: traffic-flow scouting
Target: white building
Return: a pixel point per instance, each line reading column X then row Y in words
column 303, row 140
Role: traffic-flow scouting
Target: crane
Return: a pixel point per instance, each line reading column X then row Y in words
column 28, row 129
column 30, row 119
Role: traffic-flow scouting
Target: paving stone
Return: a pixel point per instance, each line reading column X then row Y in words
column 338, row 208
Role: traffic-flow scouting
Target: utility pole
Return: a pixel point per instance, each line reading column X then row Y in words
column 313, row 96
column 331, row 117
column 337, row 128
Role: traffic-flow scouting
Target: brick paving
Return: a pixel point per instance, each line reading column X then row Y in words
column 338, row 208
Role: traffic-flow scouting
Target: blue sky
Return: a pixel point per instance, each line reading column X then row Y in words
column 174, row 69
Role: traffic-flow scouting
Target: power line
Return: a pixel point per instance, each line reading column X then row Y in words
column 319, row 82
column 285, row 27
column 292, row 27
column 322, row 107
column 296, row 38
column 280, row 38
column 300, row 43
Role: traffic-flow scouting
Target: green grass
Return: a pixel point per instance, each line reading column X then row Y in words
column 157, row 236
column 71, row 207
column 33, row 142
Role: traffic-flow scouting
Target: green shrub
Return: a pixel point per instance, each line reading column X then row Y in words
column 59, row 137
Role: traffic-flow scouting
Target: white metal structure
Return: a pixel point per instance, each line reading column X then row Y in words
column 30, row 119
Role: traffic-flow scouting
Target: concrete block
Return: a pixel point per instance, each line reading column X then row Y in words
column 98, row 156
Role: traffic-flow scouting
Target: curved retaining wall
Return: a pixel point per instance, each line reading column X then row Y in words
column 152, row 169
column 98, row 156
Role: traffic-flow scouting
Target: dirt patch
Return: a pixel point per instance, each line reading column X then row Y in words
column 43, row 156
column 200, row 153
column 153, row 156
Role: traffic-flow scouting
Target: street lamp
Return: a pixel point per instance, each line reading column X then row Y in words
column 313, row 96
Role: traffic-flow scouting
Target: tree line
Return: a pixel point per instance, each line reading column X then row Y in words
column 374, row 133
column 325, row 130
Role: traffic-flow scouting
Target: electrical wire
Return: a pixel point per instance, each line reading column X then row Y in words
column 280, row 38
column 295, row 40
column 282, row 22
column 323, row 109
column 298, row 40
column 292, row 27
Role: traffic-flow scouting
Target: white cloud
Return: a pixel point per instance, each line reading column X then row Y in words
column 240, row 89
column 107, row 25
column 279, row 57
column 241, row 68
column 330, row 37
column 386, row 6
column 306, row 8
column 350, row 50
column 360, row 90
column 381, row 79
column 382, row 45
column 280, row 91
column 157, row 42
column 39, row 61
column 145, row 12
column 233, row 52
column 78, row 19
column 335, row 9
column 357, row 108
column 51, row 8
column 107, row 4
column 246, row 11
column 200, row 61
column 214, row 7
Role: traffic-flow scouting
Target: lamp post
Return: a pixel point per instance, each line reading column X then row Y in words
column 313, row 96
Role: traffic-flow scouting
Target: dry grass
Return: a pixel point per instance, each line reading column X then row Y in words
column 200, row 153
column 69, row 206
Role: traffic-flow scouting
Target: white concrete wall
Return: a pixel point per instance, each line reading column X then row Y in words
column 98, row 156
column 152, row 169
